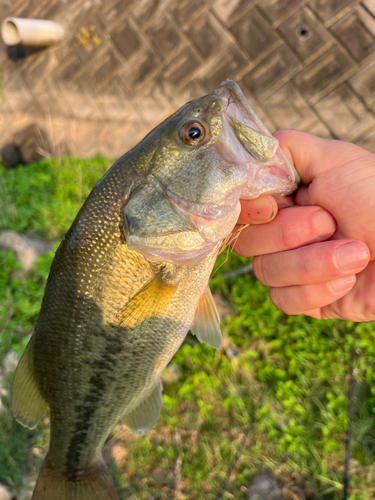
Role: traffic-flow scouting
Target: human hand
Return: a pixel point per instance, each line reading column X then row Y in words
column 318, row 256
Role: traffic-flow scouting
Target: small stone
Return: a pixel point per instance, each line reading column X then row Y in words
column 38, row 452
column 172, row 374
column 33, row 144
column 5, row 493
column 10, row 362
column 119, row 455
column 27, row 249
column 3, row 391
column 2, row 407
column 10, row 155
column 264, row 487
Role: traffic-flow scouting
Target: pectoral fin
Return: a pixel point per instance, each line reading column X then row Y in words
column 29, row 407
column 151, row 301
column 145, row 415
column 206, row 325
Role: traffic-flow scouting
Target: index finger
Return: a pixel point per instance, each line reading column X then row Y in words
column 292, row 228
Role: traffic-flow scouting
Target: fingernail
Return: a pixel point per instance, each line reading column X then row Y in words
column 342, row 284
column 351, row 256
column 262, row 210
column 322, row 223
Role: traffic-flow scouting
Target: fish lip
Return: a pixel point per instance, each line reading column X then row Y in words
column 247, row 127
column 235, row 95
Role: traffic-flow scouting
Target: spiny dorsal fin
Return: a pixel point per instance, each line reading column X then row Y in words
column 145, row 415
column 206, row 325
column 151, row 300
column 29, row 407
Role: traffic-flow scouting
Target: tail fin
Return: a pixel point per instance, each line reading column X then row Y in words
column 94, row 483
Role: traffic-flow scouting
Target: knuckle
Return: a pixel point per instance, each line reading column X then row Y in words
column 241, row 244
column 292, row 234
column 368, row 308
column 258, row 269
column 297, row 226
column 239, row 247
column 287, row 240
column 278, row 297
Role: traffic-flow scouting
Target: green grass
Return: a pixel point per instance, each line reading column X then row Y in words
column 289, row 375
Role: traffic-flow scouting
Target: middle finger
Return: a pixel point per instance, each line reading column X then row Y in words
column 291, row 228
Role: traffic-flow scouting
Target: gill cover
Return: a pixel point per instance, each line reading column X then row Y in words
column 157, row 228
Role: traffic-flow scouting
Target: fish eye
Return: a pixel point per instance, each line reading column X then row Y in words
column 192, row 133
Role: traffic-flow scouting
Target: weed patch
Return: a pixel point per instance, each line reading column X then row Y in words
column 287, row 374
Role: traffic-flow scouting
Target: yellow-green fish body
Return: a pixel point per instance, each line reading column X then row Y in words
column 130, row 279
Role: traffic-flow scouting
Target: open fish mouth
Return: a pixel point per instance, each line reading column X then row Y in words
column 253, row 146
column 261, row 147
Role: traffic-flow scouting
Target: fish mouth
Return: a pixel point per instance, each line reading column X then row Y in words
column 261, row 147
column 247, row 141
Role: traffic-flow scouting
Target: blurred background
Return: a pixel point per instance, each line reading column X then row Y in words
column 123, row 66
column 266, row 417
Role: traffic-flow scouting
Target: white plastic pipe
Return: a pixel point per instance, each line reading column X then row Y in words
column 19, row 31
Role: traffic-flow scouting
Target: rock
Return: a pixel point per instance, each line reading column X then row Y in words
column 33, row 144
column 29, row 145
column 264, row 487
column 5, row 493
column 27, row 249
column 3, row 391
column 10, row 362
column 10, row 155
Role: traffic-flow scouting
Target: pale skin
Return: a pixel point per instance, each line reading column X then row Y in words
column 317, row 255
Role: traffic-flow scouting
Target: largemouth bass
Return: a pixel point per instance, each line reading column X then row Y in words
column 130, row 279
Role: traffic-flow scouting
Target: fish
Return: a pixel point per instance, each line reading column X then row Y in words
column 130, row 279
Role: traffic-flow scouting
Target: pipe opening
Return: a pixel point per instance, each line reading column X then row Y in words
column 10, row 33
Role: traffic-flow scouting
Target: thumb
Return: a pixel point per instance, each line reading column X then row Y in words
column 311, row 155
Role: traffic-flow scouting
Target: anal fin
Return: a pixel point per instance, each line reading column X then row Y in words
column 29, row 407
column 145, row 415
column 206, row 325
